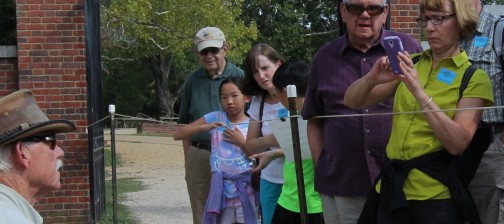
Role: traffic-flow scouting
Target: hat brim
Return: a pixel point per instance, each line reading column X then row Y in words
column 209, row 43
column 53, row 127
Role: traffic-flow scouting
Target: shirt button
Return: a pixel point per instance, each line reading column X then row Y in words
column 367, row 130
column 364, row 59
column 366, row 111
column 368, row 152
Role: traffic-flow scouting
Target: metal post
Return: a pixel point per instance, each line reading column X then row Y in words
column 114, row 180
column 291, row 94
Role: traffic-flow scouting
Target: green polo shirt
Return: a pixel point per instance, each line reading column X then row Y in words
column 411, row 134
column 200, row 95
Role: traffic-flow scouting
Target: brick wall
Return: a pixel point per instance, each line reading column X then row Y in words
column 51, row 62
column 164, row 128
column 8, row 76
column 402, row 17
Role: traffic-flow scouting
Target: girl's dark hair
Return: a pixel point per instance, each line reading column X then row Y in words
column 292, row 73
column 238, row 81
column 250, row 84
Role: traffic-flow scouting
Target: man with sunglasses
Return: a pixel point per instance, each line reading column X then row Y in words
column 348, row 152
column 200, row 96
column 487, row 186
column 29, row 157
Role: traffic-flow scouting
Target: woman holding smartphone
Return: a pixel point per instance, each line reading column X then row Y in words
column 261, row 64
column 430, row 84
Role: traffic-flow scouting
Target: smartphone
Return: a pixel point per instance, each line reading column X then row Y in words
column 393, row 45
column 253, row 163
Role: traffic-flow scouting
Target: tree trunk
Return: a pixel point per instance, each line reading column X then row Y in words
column 161, row 68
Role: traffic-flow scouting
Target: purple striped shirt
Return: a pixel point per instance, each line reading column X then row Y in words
column 354, row 148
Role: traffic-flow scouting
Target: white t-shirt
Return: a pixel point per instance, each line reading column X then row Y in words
column 14, row 209
column 274, row 171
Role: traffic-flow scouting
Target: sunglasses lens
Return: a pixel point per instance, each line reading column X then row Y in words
column 374, row 10
column 213, row 50
column 355, row 9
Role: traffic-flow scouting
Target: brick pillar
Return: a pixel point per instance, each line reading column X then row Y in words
column 402, row 17
column 52, row 63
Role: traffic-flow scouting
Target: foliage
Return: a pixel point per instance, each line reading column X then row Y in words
column 8, row 22
column 295, row 28
column 159, row 35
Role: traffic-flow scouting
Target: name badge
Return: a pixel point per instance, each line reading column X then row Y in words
column 283, row 113
column 447, row 76
column 480, row 41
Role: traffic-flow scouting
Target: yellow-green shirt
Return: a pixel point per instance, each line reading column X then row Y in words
column 411, row 134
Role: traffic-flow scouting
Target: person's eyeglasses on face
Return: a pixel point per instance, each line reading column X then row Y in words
column 436, row 20
column 46, row 138
column 213, row 50
column 372, row 10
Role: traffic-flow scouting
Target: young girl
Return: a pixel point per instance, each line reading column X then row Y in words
column 231, row 198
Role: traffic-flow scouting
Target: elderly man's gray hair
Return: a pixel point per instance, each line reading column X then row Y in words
column 5, row 156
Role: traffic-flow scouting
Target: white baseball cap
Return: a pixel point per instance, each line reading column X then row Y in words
column 209, row 37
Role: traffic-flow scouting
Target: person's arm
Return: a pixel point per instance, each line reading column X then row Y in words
column 456, row 134
column 257, row 143
column 375, row 87
column 265, row 158
column 195, row 127
column 315, row 134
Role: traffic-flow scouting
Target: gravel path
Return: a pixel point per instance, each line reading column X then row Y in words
column 159, row 163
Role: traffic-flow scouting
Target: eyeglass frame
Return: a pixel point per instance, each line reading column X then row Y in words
column 360, row 7
column 42, row 138
column 422, row 21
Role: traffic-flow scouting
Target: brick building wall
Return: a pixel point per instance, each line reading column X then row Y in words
column 402, row 17
column 51, row 62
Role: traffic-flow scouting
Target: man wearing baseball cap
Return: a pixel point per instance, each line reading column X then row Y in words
column 29, row 157
column 200, row 96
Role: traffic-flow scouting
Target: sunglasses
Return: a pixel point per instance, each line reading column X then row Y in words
column 47, row 138
column 213, row 50
column 357, row 9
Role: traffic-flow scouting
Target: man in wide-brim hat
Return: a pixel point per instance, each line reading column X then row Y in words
column 29, row 156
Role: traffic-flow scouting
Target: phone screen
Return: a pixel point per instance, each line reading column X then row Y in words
column 393, row 45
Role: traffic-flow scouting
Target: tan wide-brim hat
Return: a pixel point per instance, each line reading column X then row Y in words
column 21, row 117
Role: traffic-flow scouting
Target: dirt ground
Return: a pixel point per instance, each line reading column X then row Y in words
column 159, row 163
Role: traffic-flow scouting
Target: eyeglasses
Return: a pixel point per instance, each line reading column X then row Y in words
column 436, row 20
column 50, row 138
column 372, row 10
column 213, row 50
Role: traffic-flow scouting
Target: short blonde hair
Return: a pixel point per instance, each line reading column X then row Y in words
column 464, row 12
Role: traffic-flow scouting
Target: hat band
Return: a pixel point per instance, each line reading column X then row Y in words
column 6, row 135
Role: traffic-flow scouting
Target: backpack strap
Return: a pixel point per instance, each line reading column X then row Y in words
column 498, row 41
column 465, row 80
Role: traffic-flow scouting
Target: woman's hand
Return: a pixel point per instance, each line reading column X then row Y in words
column 410, row 75
column 264, row 158
column 380, row 72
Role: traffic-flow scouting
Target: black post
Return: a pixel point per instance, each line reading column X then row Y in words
column 291, row 94
column 114, row 180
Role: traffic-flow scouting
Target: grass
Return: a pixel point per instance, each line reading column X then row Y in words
column 124, row 185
